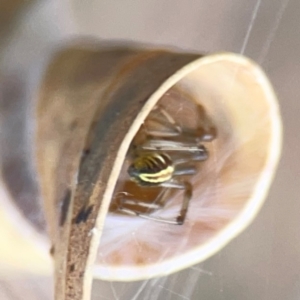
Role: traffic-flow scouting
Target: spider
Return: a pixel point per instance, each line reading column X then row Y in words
column 162, row 159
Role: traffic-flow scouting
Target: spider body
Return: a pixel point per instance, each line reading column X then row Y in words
column 162, row 159
column 151, row 169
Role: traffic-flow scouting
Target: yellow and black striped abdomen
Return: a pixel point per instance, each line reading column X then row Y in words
column 151, row 169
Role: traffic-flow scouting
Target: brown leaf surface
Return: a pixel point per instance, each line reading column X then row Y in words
column 86, row 108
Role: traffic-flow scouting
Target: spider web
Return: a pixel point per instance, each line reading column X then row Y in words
column 254, row 266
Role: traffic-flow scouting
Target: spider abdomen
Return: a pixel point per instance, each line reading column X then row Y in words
column 151, row 169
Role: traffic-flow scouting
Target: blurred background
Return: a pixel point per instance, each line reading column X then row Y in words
column 264, row 261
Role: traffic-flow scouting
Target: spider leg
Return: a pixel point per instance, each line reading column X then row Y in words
column 200, row 134
column 158, row 203
column 186, row 186
column 188, row 191
column 183, row 164
column 186, row 170
column 168, row 122
column 200, row 154
column 166, row 145
column 199, row 151
column 204, row 132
